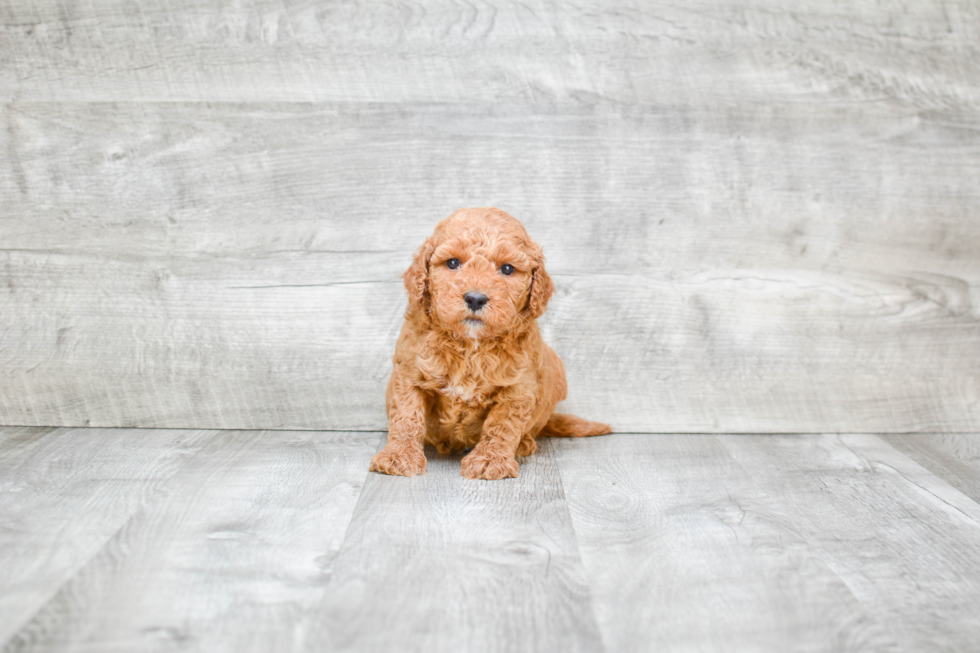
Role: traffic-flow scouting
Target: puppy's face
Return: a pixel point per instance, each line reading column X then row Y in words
column 480, row 275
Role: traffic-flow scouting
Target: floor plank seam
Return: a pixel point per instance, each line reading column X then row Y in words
column 154, row 499
column 553, row 444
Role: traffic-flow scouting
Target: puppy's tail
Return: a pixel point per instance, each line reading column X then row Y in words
column 570, row 426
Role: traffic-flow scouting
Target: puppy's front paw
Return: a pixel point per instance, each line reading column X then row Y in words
column 480, row 464
column 399, row 460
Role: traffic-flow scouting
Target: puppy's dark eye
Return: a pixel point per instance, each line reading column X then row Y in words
column 507, row 269
column 452, row 263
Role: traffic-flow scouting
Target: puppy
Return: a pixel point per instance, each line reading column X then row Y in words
column 470, row 369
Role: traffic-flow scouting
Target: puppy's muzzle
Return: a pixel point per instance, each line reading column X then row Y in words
column 475, row 301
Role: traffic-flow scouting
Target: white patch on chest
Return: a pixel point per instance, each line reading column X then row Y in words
column 461, row 393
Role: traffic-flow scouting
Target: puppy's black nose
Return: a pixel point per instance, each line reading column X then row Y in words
column 475, row 300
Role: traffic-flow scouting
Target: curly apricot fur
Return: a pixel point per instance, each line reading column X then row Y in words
column 475, row 378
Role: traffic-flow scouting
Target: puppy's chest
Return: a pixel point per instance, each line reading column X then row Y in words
column 465, row 394
column 461, row 386
column 462, row 390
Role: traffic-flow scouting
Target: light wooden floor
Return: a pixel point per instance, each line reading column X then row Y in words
column 133, row 540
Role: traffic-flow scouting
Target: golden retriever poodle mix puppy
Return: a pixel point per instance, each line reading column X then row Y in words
column 471, row 370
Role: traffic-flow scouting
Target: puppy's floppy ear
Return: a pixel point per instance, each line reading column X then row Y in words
column 542, row 287
column 417, row 276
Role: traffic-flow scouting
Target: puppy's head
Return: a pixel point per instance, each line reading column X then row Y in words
column 479, row 275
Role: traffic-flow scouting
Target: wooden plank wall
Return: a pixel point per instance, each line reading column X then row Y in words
column 760, row 216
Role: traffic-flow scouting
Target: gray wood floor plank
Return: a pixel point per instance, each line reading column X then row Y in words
column 628, row 51
column 684, row 552
column 953, row 457
column 66, row 495
column 15, row 440
column 441, row 563
column 232, row 559
column 237, row 266
column 906, row 543
column 254, row 541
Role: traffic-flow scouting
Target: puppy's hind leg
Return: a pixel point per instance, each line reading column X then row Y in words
column 559, row 425
column 527, row 446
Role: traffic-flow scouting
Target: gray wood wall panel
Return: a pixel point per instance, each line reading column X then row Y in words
column 759, row 219
column 698, row 52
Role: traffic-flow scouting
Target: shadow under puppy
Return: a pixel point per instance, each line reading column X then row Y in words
column 471, row 369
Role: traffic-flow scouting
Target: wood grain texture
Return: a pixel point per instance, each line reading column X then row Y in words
column 905, row 542
column 645, row 188
column 685, row 552
column 702, row 51
column 798, row 269
column 954, row 457
column 64, row 494
column 442, row 563
column 184, row 342
column 233, row 558
column 15, row 440
column 760, row 217
column 143, row 540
